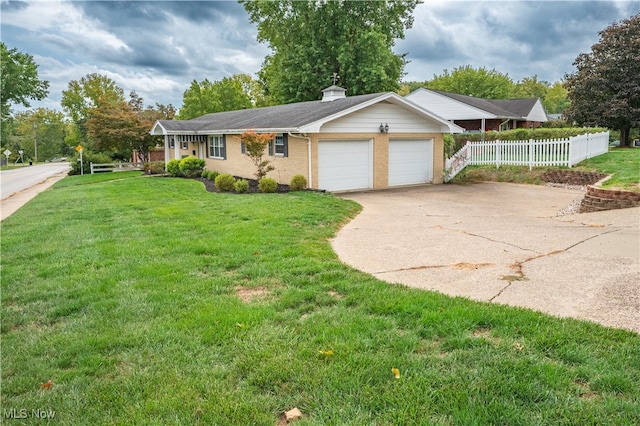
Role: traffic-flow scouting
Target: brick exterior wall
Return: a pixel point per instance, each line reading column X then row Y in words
column 297, row 162
column 598, row 199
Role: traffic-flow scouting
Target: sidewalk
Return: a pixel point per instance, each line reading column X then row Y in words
column 11, row 204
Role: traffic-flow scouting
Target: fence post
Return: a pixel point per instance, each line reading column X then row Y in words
column 530, row 154
column 91, row 165
column 497, row 154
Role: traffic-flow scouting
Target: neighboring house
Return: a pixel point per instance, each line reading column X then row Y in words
column 477, row 114
column 339, row 143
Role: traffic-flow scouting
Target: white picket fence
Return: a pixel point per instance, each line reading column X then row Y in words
column 531, row 153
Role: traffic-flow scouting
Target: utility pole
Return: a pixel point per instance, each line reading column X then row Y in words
column 35, row 141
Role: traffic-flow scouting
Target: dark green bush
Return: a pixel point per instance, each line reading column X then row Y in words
column 225, row 182
column 154, row 168
column 88, row 157
column 298, row 183
column 241, row 186
column 212, row 175
column 267, row 185
column 191, row 166
column 526, row 134
column 173, row 167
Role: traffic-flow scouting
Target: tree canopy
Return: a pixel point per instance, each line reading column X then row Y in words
column 492, row 84
column 19, row 83
column 91, row 91
column 480, row 83
column 312, row 40
column 123, row 127
column 231, row 93
column 605, row 89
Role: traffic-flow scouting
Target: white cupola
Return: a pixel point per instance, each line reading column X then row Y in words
column 332, row 93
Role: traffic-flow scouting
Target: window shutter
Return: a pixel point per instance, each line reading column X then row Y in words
column 285, row 141
column 271, row 148
column 224, row 147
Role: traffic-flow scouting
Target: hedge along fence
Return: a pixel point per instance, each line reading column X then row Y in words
column 541, row 133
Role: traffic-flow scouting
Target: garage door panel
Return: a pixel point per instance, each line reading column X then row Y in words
column 344, row 165
column 410, row 161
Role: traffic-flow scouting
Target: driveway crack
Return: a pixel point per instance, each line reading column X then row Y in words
column 517, row 266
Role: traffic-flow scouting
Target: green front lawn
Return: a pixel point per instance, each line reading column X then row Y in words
column 150, row 301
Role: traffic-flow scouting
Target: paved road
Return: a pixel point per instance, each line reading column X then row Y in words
column 18, row 186
column 503, row 243
column 16, row 180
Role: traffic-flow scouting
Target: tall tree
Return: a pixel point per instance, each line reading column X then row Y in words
column 42, row 129
column 312, row 40
column 556, row 99
column 530, row 87
column 231, row 93
column 481, row 82
column 19, row 82
column 87, row 93
column 92, row 91
column 123, row 127
column 605, row 89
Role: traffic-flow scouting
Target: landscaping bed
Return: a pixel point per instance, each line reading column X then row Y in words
column 253, row 186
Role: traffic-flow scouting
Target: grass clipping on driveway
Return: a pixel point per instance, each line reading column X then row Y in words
column 133, row 300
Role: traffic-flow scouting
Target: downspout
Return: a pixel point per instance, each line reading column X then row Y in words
column 308, row 154
column 482, row 128
column 503, row 123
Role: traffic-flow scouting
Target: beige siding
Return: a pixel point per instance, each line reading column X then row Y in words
column 399, row 119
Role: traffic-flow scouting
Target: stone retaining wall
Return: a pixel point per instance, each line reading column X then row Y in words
column 598, row 199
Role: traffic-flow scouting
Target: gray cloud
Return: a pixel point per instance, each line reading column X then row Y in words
column 158, row 47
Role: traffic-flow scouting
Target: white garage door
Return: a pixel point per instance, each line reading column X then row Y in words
column 410, row 161
column 345, row 164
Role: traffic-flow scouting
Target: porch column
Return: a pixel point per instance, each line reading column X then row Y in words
column 166, row 150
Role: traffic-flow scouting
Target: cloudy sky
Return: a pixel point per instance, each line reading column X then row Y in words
column 157, row 48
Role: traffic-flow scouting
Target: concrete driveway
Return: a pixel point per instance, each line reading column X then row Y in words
column 503, row 243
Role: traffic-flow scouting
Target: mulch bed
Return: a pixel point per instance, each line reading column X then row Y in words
column 253, row 186
column 572, row 177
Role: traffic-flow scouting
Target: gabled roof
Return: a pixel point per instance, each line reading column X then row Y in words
column 300, row 117
column 522, row 108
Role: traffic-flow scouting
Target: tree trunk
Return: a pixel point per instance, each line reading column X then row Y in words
column 624, row 137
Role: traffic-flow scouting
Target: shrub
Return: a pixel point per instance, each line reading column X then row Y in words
column 212, row 175
column 267, row 185
column 173, row 167
column 241, row 186
column 88, row 157
column 154, row 168
column 204, row 174
column 225, row 182
column 191, row 166
column 298, row 183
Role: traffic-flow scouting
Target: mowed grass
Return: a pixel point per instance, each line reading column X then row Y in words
column 150, row 301
column 623, row 164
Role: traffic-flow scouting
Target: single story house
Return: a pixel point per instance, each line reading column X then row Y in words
column 338, row 143
column 478, row 114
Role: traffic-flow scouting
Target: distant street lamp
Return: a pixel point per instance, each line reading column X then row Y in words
column 35, row 141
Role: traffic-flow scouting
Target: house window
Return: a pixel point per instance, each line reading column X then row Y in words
column 217, row 147
column 184, row 145
column 172, row 143
column 279, row 145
